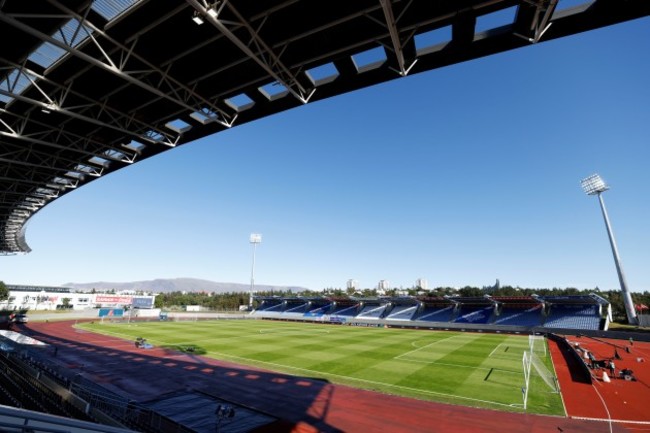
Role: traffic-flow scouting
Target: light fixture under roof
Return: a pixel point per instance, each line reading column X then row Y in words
column 48, row 108
column 197, row 18
column 212, row 10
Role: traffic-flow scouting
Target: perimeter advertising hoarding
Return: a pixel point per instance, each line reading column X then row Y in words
column 142, row 302
column 113, row 299
column 111, row 312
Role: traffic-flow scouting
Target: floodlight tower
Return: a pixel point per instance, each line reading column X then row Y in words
column 595, row 185
column 255, row 239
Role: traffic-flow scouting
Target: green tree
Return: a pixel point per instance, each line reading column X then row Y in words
column 4, row 292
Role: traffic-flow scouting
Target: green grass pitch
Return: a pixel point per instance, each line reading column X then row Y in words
column 472, row 369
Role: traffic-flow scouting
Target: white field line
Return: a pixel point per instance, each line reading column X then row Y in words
column 495, row 349
column 460, row 366
column 423, row 347
column 622, row 421
column 403, row 357
column 609, row 416
column 371, row 382
column 293, row 331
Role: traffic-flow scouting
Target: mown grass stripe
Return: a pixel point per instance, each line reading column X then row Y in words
column 440, row 366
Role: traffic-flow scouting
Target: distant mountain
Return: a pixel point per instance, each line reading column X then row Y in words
column 177, row 285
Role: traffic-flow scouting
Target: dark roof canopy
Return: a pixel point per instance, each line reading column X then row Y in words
column 90, row 86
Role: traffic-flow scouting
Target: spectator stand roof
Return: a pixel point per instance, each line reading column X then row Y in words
column 88, row 87
column 516, row 299
column 575, row 299
column 402, row 300
column 436, row 300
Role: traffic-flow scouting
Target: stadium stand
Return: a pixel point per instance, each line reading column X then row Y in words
column 28, row 380
column 584, row 312
column 518, row 311
column 436, row 310
column 297, row 305
column 402, row 313
column 318, row 307
column 400, row 308
column 474, row 314
column 574, row 312
column 475, row 310
column 372, row 309
column 270, row 304
column 345, row 307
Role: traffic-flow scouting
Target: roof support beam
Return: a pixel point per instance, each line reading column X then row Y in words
column 69, row 113
column 391, row 23
column 535, row 15
column 111, row 67
column 275, row 68
column 127, row 122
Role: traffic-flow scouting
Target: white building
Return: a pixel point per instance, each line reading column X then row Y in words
column 57, row 298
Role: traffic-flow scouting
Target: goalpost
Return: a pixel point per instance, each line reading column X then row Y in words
column 534, row 366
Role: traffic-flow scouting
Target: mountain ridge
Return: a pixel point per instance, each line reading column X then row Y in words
column 167, row 285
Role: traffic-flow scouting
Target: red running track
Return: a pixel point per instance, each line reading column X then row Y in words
column 619, row 402
column 304, row 405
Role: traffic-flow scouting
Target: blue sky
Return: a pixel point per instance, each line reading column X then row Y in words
column 459, row 175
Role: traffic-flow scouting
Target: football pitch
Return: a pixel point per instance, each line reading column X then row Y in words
column 472, row 369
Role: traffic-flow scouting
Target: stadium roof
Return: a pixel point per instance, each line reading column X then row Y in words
column 575, row 299
column 90, row 86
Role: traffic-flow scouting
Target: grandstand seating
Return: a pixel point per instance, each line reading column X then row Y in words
column 442, row 313
column 402, row 312
column 295, row 306
column 318, row 310
column 373, row 311
column 577, row 316
column 475, row 314
column 571, row 312
column 345, row 310
column 274, row 304
column 520, row 315
column 30, row 381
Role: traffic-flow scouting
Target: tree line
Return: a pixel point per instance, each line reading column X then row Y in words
column 233, row 300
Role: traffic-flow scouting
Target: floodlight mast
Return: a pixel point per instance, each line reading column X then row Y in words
column 255, row 239
column 595, row 185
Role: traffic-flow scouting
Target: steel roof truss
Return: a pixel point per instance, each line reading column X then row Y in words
column 391, row 24
column 541, row 20
column 62, row 147
column 84, row 145
column 96, row 62
column 120, row 121
column 127, row 52
column 273, row 66
column 46, row 162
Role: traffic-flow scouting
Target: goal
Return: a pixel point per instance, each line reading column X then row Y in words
column 536, row 373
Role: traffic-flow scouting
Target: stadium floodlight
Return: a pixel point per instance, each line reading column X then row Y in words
column 254, row 239
column 595, row 185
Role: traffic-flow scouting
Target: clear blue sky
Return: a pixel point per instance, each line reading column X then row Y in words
column 460, row 175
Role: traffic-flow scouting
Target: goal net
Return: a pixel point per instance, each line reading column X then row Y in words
column 537, row 375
